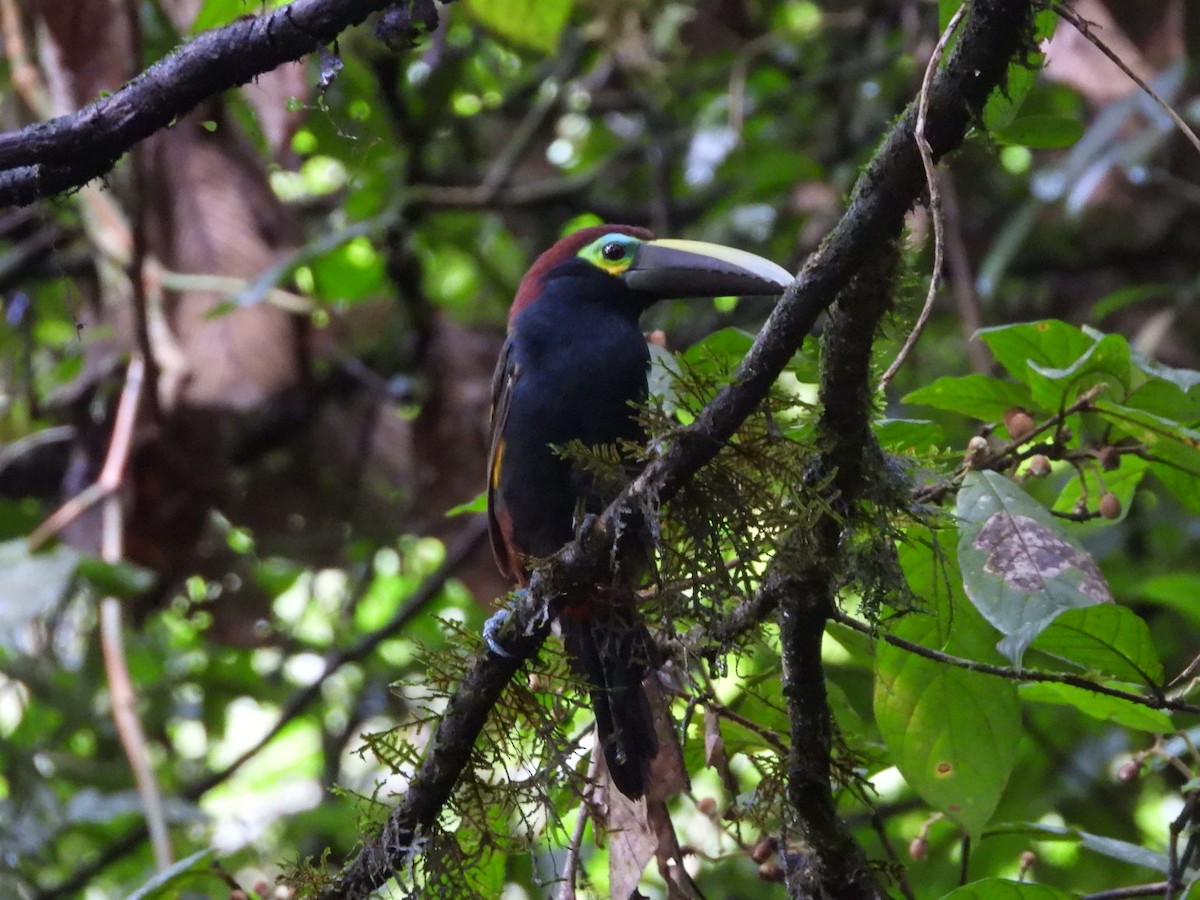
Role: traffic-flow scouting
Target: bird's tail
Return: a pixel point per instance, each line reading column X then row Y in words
column 614, row 652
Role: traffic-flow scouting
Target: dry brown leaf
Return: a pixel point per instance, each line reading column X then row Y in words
column 668, row 775
column 714, row 751
column 669, row 854
column 632, row 840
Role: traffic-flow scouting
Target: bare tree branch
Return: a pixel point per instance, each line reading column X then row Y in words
column 67, row 152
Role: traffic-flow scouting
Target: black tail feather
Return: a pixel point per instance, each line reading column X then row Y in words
column 615, row 657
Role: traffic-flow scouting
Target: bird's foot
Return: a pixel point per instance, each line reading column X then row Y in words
column 527, row 622
column 491, row 632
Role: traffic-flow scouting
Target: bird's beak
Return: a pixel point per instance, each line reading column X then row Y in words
column 680, row 269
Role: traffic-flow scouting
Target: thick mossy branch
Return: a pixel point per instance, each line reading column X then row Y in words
column 995, row 31
column 838, row 869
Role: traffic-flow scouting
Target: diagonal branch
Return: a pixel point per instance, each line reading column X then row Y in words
column 65, row 153
column 994, row 32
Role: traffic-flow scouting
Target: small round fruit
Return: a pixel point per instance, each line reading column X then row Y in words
column 763, row 850
column 1019, row 423
column 918, row 848
column 770, row 871
column 1129, row 772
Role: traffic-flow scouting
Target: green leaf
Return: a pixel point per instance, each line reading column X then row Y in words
column 929, row 560
column 909, row 435
column 536, row 24
column 353, row 271
column 978, row 396
column 1175, row 590
column 124, row 580
column 1172, row 450
column 1107, row 361
column 1099, row 706
column 1006, row 101
column 1132, row 854
column 1166, row 399
column 952, row 733
column 173, row 876
column 31, row 584
column 476, row 504
column 1129, row 296
column 1040, row 132
column 1048, row 343
column 1018, row 569
column 1184, row 379
column 719, row 351
column 1002, row 889
column 1105, row 638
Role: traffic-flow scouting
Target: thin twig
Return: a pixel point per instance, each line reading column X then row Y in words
column 137, row 283
column 769, row 737
column 25, row 77
column 901, row 877
column 971, row 665
column 1085, row 28
column 571, row 869
column 1174, row 868
column 962, row 280
column 468, row 541
column 122, row 696
column 1083, row 403
column 113, row 471
column 1154, row 889
column 502, row 166
column 935, row 200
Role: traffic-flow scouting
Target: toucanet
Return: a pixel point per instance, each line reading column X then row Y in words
column 574, row 368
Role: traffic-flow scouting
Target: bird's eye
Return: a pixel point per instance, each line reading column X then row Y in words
column 613, row 251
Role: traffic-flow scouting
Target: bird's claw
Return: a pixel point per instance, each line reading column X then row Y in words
column 491, row 632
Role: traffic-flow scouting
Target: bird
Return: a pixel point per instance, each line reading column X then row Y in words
column 574, row 368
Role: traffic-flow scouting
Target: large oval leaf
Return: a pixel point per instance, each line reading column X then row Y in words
column 952, row 733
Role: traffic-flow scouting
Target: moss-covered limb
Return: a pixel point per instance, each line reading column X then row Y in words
column 400, row 837
column 837, row 867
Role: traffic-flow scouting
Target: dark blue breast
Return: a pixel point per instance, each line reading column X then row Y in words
column 582, row 362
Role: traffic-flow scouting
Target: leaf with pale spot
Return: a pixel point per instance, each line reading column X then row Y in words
column 1018, row 569
column 952, row 733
